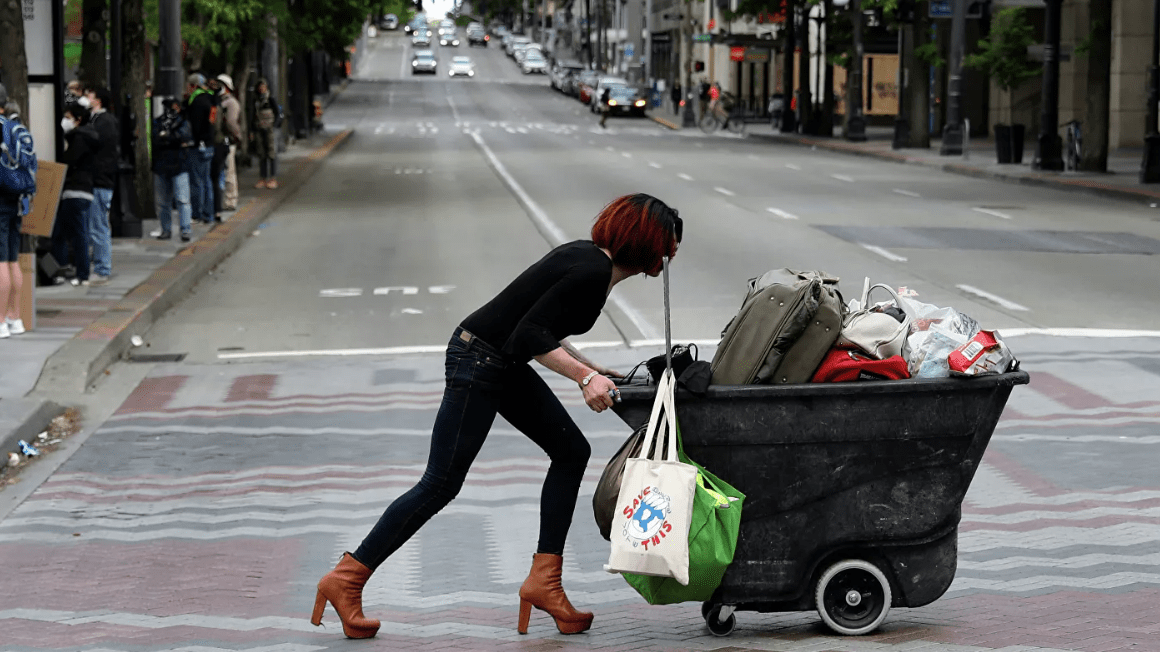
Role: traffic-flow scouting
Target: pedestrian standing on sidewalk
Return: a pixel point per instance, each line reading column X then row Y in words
column 71, row 228
column 200, row 113
column 232, row 116
column 488, row 373
column 265, row 118
column 17, row 185
column 172, row 145
column 105, row 164
column 675, row 95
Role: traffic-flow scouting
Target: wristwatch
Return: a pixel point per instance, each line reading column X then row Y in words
column 588, row 378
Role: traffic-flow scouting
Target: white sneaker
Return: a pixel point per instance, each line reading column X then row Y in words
column 4, row 330
column 15, row 326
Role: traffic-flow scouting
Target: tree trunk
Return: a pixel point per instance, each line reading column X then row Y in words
column 196, row 53
column 93, row 69
column 1095, row 132
column 243, row 64
column 13, row 60
column 134, row 64
column 827, row 121
column 918, row 82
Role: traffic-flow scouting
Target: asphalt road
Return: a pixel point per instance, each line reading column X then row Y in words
column 202, row 512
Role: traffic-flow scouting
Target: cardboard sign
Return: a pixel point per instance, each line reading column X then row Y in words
column 49, row 185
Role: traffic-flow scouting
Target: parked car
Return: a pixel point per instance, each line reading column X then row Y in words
column 421, row 38
column 424, row 61
column 534, row 61
column 626, row 100
column 477, row 37
column 586, row 83
column 461, row 66
column 560, row 71
column 515, row 42
column 389, row 22
column 449, row 38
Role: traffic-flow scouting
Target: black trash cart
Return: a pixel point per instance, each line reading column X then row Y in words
column 854, row 490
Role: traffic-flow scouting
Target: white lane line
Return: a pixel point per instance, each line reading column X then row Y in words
column 907, row 193
column 793, row 166
column 992, row 213
column 555, row 235
column 888, row 255
column 454, row 110
column 1110, row 333
column 782, row 214
column 425, row 349
column 341, row 292
column 994, row 298
column 842, row 177
column 654, row 164
column 379, row 129
column 402, row 289
column 724, row 191
column 684, row 176
column 610, row 148
column 626, row 155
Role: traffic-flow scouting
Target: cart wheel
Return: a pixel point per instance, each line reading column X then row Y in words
column 706, row 607
column 713, row 620
column 853, row 597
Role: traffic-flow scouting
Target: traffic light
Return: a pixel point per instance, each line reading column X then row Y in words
column 698, row 66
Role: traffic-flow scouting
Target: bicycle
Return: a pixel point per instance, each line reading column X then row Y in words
column 719, row 116
column 1074, row 152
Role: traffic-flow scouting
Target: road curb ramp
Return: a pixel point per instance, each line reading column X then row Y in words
column 81, row 360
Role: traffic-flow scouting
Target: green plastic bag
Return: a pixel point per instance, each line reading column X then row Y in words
column 712, row 541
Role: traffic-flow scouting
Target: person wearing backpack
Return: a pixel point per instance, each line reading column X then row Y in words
column 17, row 185
column 71, row 229
column 202, row 114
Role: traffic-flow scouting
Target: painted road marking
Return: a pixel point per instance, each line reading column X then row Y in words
column 908, row 193
column 407, row 290
column 994, row 298
column 626, row 155
column 842, row 177
column 888, row 255
column 554, row 234
column 412, row 311
column 992, row 213
column 782, row 214
column 793, row 166
column 684, row 176
column 440, row 289
column 724, row 191
column 341, row 292
column 654, row 164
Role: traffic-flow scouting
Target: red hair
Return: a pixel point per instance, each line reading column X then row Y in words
column 638, row 230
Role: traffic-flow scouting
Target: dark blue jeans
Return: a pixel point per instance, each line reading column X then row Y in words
column 479, row 386
column 72, row 231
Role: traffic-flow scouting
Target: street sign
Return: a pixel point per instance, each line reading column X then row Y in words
column 702, row 38
column 629, row 50
column 941, row 9
column 737, row 54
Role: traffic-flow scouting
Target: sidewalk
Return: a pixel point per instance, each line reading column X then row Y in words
column 1120, row 182
column 79, row 331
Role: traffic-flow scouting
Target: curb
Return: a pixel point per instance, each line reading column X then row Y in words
column 33, row 418
column 81, row 360
column 665, row 123
column 1070, row 185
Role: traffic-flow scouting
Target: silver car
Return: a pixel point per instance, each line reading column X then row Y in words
column 449, row 38
column 534, row 62
column 461, row 66
column 424, row 61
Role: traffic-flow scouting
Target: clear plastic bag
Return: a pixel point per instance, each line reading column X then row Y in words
column 929, row 350
column 949, row 320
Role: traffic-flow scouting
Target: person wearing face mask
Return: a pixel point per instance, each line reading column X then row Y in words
column 172, row 146
column 71, row 229
column 105, row 165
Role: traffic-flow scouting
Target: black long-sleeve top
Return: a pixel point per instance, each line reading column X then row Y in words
column 559, row 296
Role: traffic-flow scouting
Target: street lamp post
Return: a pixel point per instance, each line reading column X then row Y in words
column 169, row 82
column 1150, row 167
column 855, row 97
column 952, row 141
column 901, row 119
column 688, row 118
column 1049, row 148
column 788, row 117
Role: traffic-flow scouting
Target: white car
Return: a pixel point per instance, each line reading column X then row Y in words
column 515, row 42
column 449, row 38
column 461, row 66
column 598, row 91
column 533, row 61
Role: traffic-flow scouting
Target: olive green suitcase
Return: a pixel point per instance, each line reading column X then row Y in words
column 788, row 322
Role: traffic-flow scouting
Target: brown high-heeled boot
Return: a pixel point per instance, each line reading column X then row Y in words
column 543, row 590
column 342, row 587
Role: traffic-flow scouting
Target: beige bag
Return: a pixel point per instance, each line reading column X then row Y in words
column 875, row 333
column 650, row 530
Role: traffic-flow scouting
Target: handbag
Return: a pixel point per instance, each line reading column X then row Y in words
column 843, row 365
column 874, row 332
column 608, row 488
column 683, row 355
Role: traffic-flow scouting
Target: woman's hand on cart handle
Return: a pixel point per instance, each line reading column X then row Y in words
column 600, row 393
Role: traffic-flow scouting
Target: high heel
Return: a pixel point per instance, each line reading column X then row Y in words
column 342, row 588
column 543, row 590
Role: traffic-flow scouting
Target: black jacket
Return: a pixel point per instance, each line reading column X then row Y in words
column 108, row 157
column 172, row 139
column 200, row 114
column 83, row 144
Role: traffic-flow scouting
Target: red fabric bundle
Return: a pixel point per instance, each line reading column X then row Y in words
column 844, row 365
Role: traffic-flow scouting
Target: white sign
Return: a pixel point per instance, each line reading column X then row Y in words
column 38, row 36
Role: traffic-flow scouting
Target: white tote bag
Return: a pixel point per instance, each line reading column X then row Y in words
column 650, row 530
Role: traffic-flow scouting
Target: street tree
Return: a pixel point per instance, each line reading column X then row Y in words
column 1098, row 48
column 134, row 65
column 13, row 60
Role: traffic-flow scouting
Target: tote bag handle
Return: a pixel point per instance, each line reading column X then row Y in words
column 659, row 426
